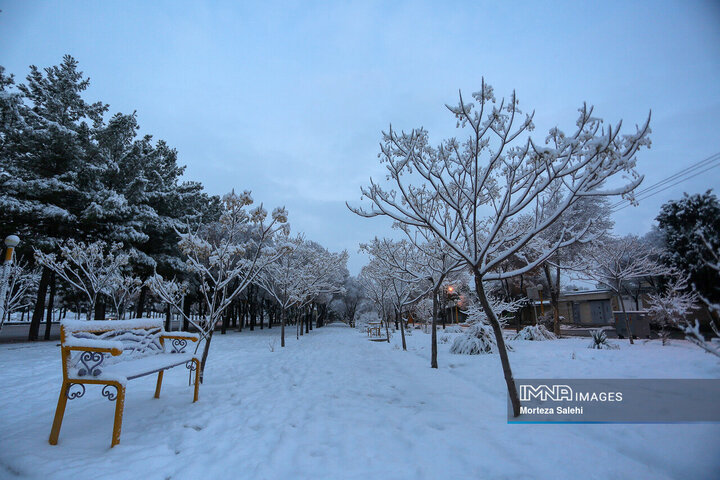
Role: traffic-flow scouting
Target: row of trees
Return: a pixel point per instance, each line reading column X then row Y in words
column 488, row 197
column 672, row 270
column 68, row 177
column 68, row 173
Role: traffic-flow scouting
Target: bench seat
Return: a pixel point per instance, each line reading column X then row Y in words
column 140, row 367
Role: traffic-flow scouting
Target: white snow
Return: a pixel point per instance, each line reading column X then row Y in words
column 93, row 343
column 94, row 325
column 335, row 405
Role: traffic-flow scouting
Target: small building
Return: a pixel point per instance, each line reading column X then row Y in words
column 581, row 308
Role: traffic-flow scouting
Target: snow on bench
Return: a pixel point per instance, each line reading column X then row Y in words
column 111, row 352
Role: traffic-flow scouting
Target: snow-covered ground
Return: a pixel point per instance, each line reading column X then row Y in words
column 335, row 405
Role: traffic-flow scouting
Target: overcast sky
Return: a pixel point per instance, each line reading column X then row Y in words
column 288, row 99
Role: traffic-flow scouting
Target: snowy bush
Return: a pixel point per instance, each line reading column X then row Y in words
column 534, row 332
column 600, row 341
column 478, row 339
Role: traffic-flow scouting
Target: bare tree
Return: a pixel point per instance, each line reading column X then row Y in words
column 21, row 285
column 488, row 196
column 613, row 262
column 304, row 273
column 375, row 280
column 90, row 268
column 424, row 260
column 670, row 308
column 407, row 279
column 122, row 290
column 226, row 256
column 592, row 211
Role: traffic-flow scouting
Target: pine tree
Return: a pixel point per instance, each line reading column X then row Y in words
column 691, row 231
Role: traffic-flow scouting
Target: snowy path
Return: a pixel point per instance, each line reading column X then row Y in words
column 332, row 405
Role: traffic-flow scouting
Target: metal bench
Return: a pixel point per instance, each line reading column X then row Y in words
column 111, row 352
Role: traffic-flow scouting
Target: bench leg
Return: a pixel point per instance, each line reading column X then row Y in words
column 59, row 413
column 159, row 384
column 197, row 379
column 119, row 406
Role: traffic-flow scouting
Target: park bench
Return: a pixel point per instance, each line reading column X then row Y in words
column 111, row 352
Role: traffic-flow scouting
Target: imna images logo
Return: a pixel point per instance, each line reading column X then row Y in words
column 555, row 393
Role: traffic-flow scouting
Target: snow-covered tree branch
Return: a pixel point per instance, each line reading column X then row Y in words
column 89, row 268
column 226, row 256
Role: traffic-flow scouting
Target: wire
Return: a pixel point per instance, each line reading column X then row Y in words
column 648, row 195
column 682, row 173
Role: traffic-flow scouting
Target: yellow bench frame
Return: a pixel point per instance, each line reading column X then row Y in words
column 120, row 396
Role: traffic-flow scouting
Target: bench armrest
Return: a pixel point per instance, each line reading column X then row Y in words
column 112, row 347
column 193, row 337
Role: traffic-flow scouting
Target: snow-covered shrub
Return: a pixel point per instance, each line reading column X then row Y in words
column 600, row 341
column 534, row 332
column 478, row 339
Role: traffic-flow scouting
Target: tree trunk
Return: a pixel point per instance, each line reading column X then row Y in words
column 554, row 297
column 262, row 314
column 225, row 321
column 402, row 328
column 51, row 305
column 39, row 305
column 168, row 318
column 187, row 304
column 253, row 309
column 100, row 310
column 206, row 349
column 282, row 327
column 433, row 336
column 497, row 330
column 627, row 319
column 141, row 302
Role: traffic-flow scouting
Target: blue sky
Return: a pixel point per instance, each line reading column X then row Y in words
column 289, row 99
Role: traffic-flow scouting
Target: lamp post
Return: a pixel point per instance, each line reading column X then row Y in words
column 11, row 242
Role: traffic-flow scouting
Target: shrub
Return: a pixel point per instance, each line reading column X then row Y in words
column 535, row 333
column 600, row 341
column 478, row 339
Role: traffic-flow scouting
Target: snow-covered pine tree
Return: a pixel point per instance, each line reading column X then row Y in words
column 691, row 231
column 46, row 140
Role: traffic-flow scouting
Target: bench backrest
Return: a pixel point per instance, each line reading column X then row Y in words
column 139, row 337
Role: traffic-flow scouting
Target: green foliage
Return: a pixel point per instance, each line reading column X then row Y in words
column 691, row 232
column 68, row 173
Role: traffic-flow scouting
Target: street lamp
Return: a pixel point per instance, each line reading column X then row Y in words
column 11, row 242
